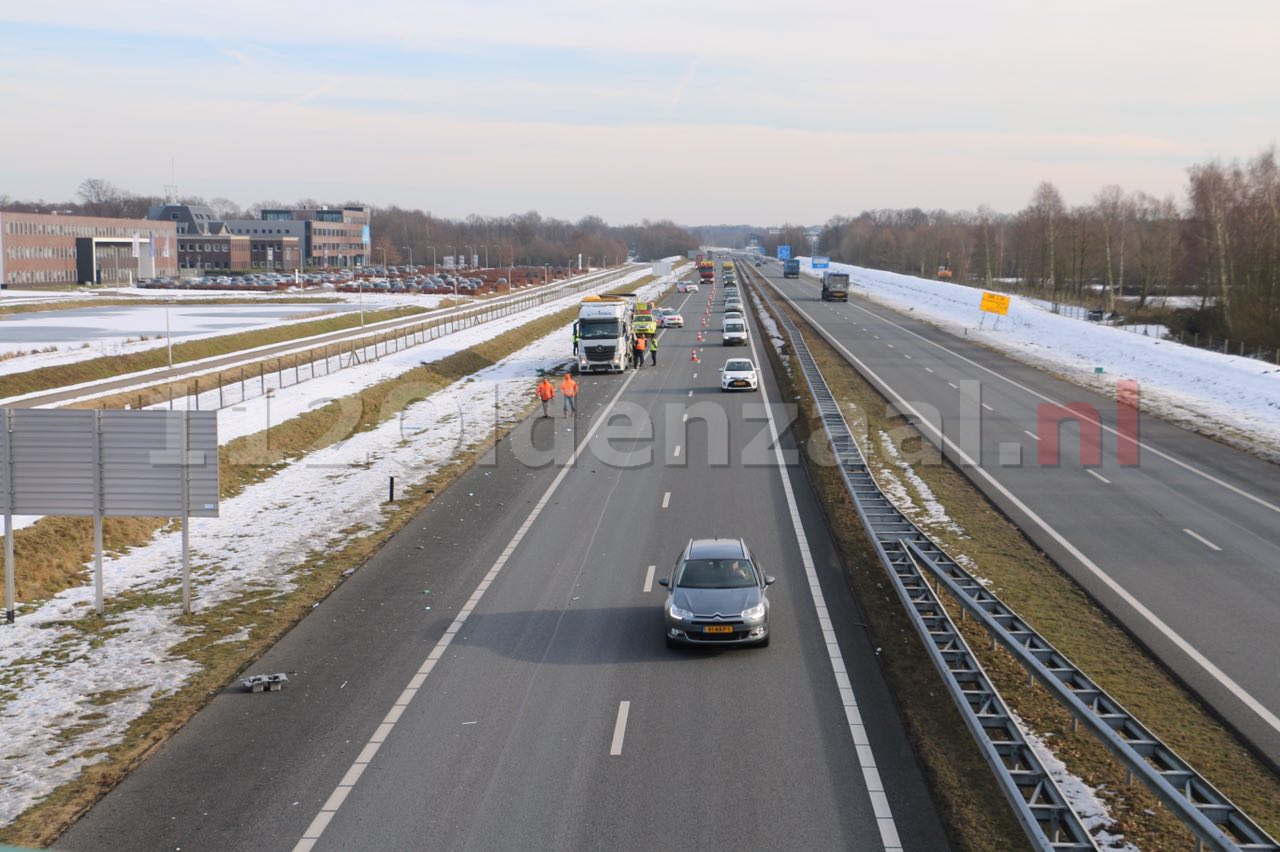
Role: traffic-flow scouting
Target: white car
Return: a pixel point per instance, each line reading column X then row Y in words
column 739, row 374
column 687, row 287
column 733, row 315
column 673, row 320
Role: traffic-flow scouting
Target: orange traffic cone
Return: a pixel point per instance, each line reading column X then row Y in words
column 693, row 356
column 699, row 337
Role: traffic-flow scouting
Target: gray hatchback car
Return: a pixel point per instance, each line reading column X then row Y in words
column 717, row 596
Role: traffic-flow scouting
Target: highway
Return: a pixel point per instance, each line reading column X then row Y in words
column 1184, row 547
column 391, row 327
column 496, row 677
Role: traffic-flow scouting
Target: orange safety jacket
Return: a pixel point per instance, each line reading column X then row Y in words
column 569, row 387
column 546, row 390
column 641, row 343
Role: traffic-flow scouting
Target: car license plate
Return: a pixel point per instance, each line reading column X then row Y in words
column 739, row 383
column 719, row 628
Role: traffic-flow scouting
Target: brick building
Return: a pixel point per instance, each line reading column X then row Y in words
column 49, row 249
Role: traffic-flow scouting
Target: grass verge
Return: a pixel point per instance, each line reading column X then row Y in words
column 1030, row 583
column 229, row 637
column 92, row 369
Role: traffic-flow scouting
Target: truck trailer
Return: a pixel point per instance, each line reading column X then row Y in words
column 835, row 286
column 791, row 268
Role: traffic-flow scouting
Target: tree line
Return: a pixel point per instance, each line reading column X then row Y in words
column 1221, row 245
column 401, row 235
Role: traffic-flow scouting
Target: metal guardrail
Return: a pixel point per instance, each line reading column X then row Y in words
column 1213, row 817
column 1040, row 806
column 233, row 386
column 1210, row 815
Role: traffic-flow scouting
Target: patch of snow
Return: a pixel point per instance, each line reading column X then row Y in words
column 929, row 512
column 1194, row 387
column 261, row 537
column 1083, row 799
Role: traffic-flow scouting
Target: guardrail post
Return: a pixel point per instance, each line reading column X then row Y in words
column 197, row 393
column 219, row 391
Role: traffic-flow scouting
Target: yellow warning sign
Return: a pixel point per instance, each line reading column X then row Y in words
column 995, row 303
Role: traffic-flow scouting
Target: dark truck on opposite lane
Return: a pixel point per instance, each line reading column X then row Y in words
column 791, row 268
column 835, row 286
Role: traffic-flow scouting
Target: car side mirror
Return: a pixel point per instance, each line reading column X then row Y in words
column 664, row 581
column 769, row 579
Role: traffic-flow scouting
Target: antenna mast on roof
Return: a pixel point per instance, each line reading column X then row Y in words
column 171, row 188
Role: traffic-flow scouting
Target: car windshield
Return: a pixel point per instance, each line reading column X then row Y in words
column 734, row 326
column 716, row 574
column 599, row 329
column 738, row 367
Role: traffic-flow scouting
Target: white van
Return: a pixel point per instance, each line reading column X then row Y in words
column 734, row 332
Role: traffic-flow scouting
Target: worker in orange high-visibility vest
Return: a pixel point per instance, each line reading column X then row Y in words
column 569, row 390
column 546, row 393
column 642, row 343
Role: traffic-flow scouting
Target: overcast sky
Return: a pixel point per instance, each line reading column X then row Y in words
column 702, row 111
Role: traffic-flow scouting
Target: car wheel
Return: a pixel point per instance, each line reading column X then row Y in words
column 671, row 643
column 764, row 643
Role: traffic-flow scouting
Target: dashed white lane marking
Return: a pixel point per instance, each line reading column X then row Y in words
column 953, row 385
column 928, row 370
column 1097, row 475
column 684, row 418
column 666, row 499
column 676, row 454
column 987, row 407
column 905, row 355
column 1202, row 539
column 620, row 728
column 1266, row 714
column 648, row 578
column 690, row 393
column 890, row 345
column 695, row 375
column 330, row 808
column 853, row 716
column 1032, row 435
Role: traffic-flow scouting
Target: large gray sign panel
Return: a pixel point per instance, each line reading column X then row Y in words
column 79, row 462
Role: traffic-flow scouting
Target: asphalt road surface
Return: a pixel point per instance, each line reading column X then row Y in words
column 496, row 677
column 1183, row 547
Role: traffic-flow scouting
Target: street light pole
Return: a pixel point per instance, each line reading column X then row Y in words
column 486, row 257
column 434, row 271
column 168, row 334
column 410, row 250
column 384, row 259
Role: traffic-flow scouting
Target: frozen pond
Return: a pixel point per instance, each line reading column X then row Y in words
column 72, row 328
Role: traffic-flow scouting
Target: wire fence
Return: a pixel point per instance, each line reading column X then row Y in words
column 1160, row 331
column 229, row 387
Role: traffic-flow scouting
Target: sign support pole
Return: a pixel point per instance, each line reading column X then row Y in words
column 97, row 512
column 8, row 568
column 10, row 605
column 186, row 514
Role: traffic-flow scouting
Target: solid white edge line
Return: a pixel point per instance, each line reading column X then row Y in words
column 1201, row 539
column 666, row 500
column 321, row 821
column 987, row 407
column 1094, row 473
column 853, row 717
column 1032, row 435
column 1145, row 447
column 648, row 578
column 620, row 728
column 676, row 454
column 1227, row 682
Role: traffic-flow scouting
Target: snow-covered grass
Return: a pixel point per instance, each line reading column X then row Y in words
column 1239, row 398
column 1083, row 799
column 65, row 694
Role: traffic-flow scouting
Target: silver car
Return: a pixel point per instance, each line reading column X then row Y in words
column 716, row 596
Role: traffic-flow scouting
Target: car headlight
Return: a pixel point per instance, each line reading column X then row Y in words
column 679, row 614
column 756, row 611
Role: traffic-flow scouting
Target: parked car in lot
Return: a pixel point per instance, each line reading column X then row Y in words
column 716, row 595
